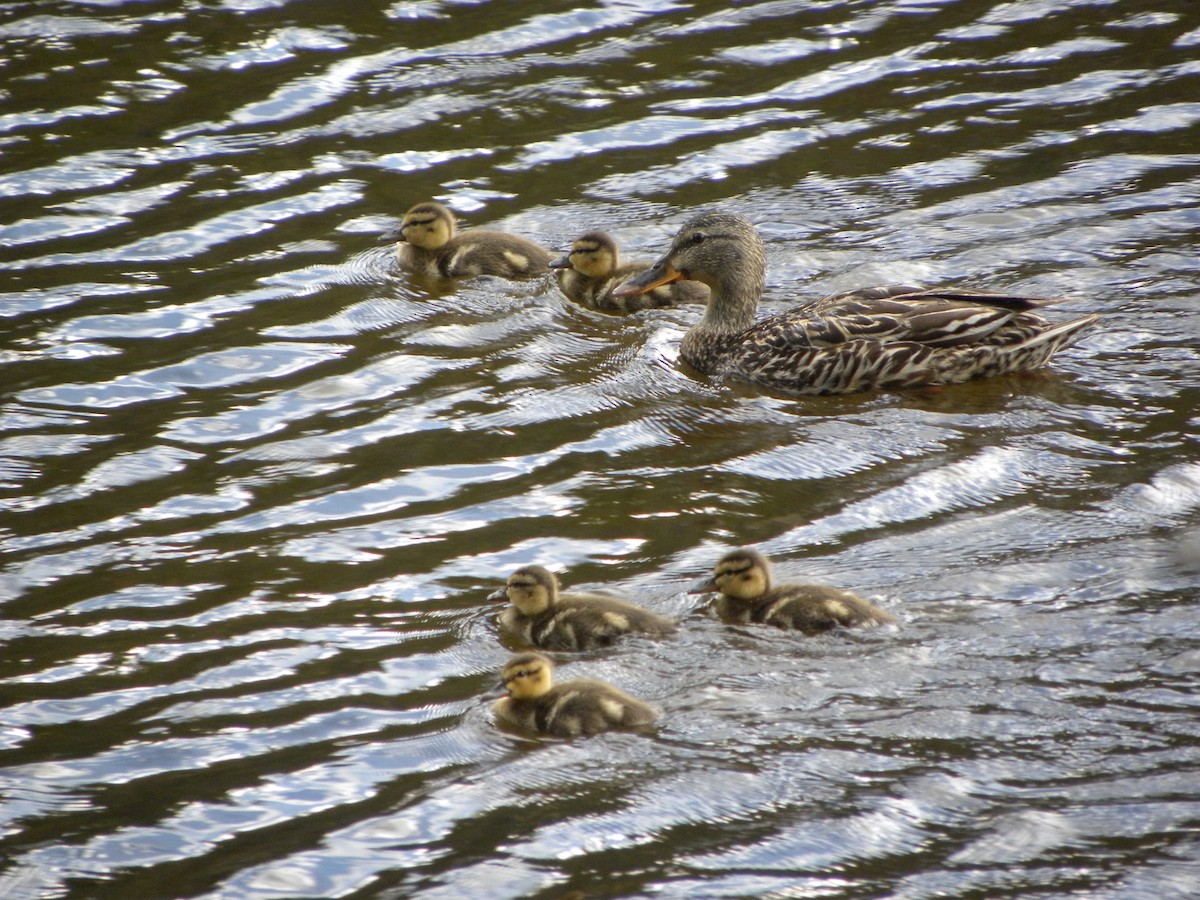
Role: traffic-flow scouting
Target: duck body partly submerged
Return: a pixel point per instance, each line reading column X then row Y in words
column 543, row 617
column 570, row 709
column 748, row 595
column 893, row 336
column 592, row 269
column 429, row 243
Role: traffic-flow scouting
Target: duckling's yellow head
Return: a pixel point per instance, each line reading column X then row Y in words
column 741, row 574
column 428, row 225
column 593, row 254
column 527, row 676
column 531, row 589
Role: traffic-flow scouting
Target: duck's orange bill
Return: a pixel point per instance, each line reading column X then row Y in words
column 663, row 273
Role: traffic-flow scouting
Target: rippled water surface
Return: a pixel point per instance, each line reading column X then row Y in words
column 256, row 482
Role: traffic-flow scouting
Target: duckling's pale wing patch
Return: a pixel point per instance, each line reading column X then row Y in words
column 837, row 609
column 518, row 261
column 617, row 620
column 612, row 709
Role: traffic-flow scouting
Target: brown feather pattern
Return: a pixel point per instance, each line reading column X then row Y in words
column 892, row 336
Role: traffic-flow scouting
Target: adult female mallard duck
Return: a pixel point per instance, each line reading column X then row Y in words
column 429, row 243
column 569, row 709
column 749, row 594
column 887, row 337
column 592, row 268
column 543, row 617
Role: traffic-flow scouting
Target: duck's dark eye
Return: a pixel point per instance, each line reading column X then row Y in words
column 698, row 237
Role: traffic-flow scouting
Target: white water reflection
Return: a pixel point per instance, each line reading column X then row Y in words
column 257, row 482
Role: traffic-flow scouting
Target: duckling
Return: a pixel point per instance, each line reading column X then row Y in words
column 566, row 710
column 887, row 337
column 592, row 268
column 748, row 594
column 543, row 617
column 429, row 243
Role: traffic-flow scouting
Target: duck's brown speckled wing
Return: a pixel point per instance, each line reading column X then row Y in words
column 939, row 318
column 891, row 337
column 848, row 299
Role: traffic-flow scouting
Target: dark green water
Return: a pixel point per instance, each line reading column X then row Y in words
column 256, row 482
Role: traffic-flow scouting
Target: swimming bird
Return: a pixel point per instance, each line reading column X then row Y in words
column 592, row 268
column 749, row 594
column 569, row 709
column 429, row 243
column 885, row 337
column 545, row 618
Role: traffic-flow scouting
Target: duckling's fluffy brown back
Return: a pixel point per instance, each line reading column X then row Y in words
column 478, row 251
column 581, row 621
column 573, row 708
column 810, row 608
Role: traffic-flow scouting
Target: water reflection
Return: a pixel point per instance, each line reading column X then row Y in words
column 256, row 483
